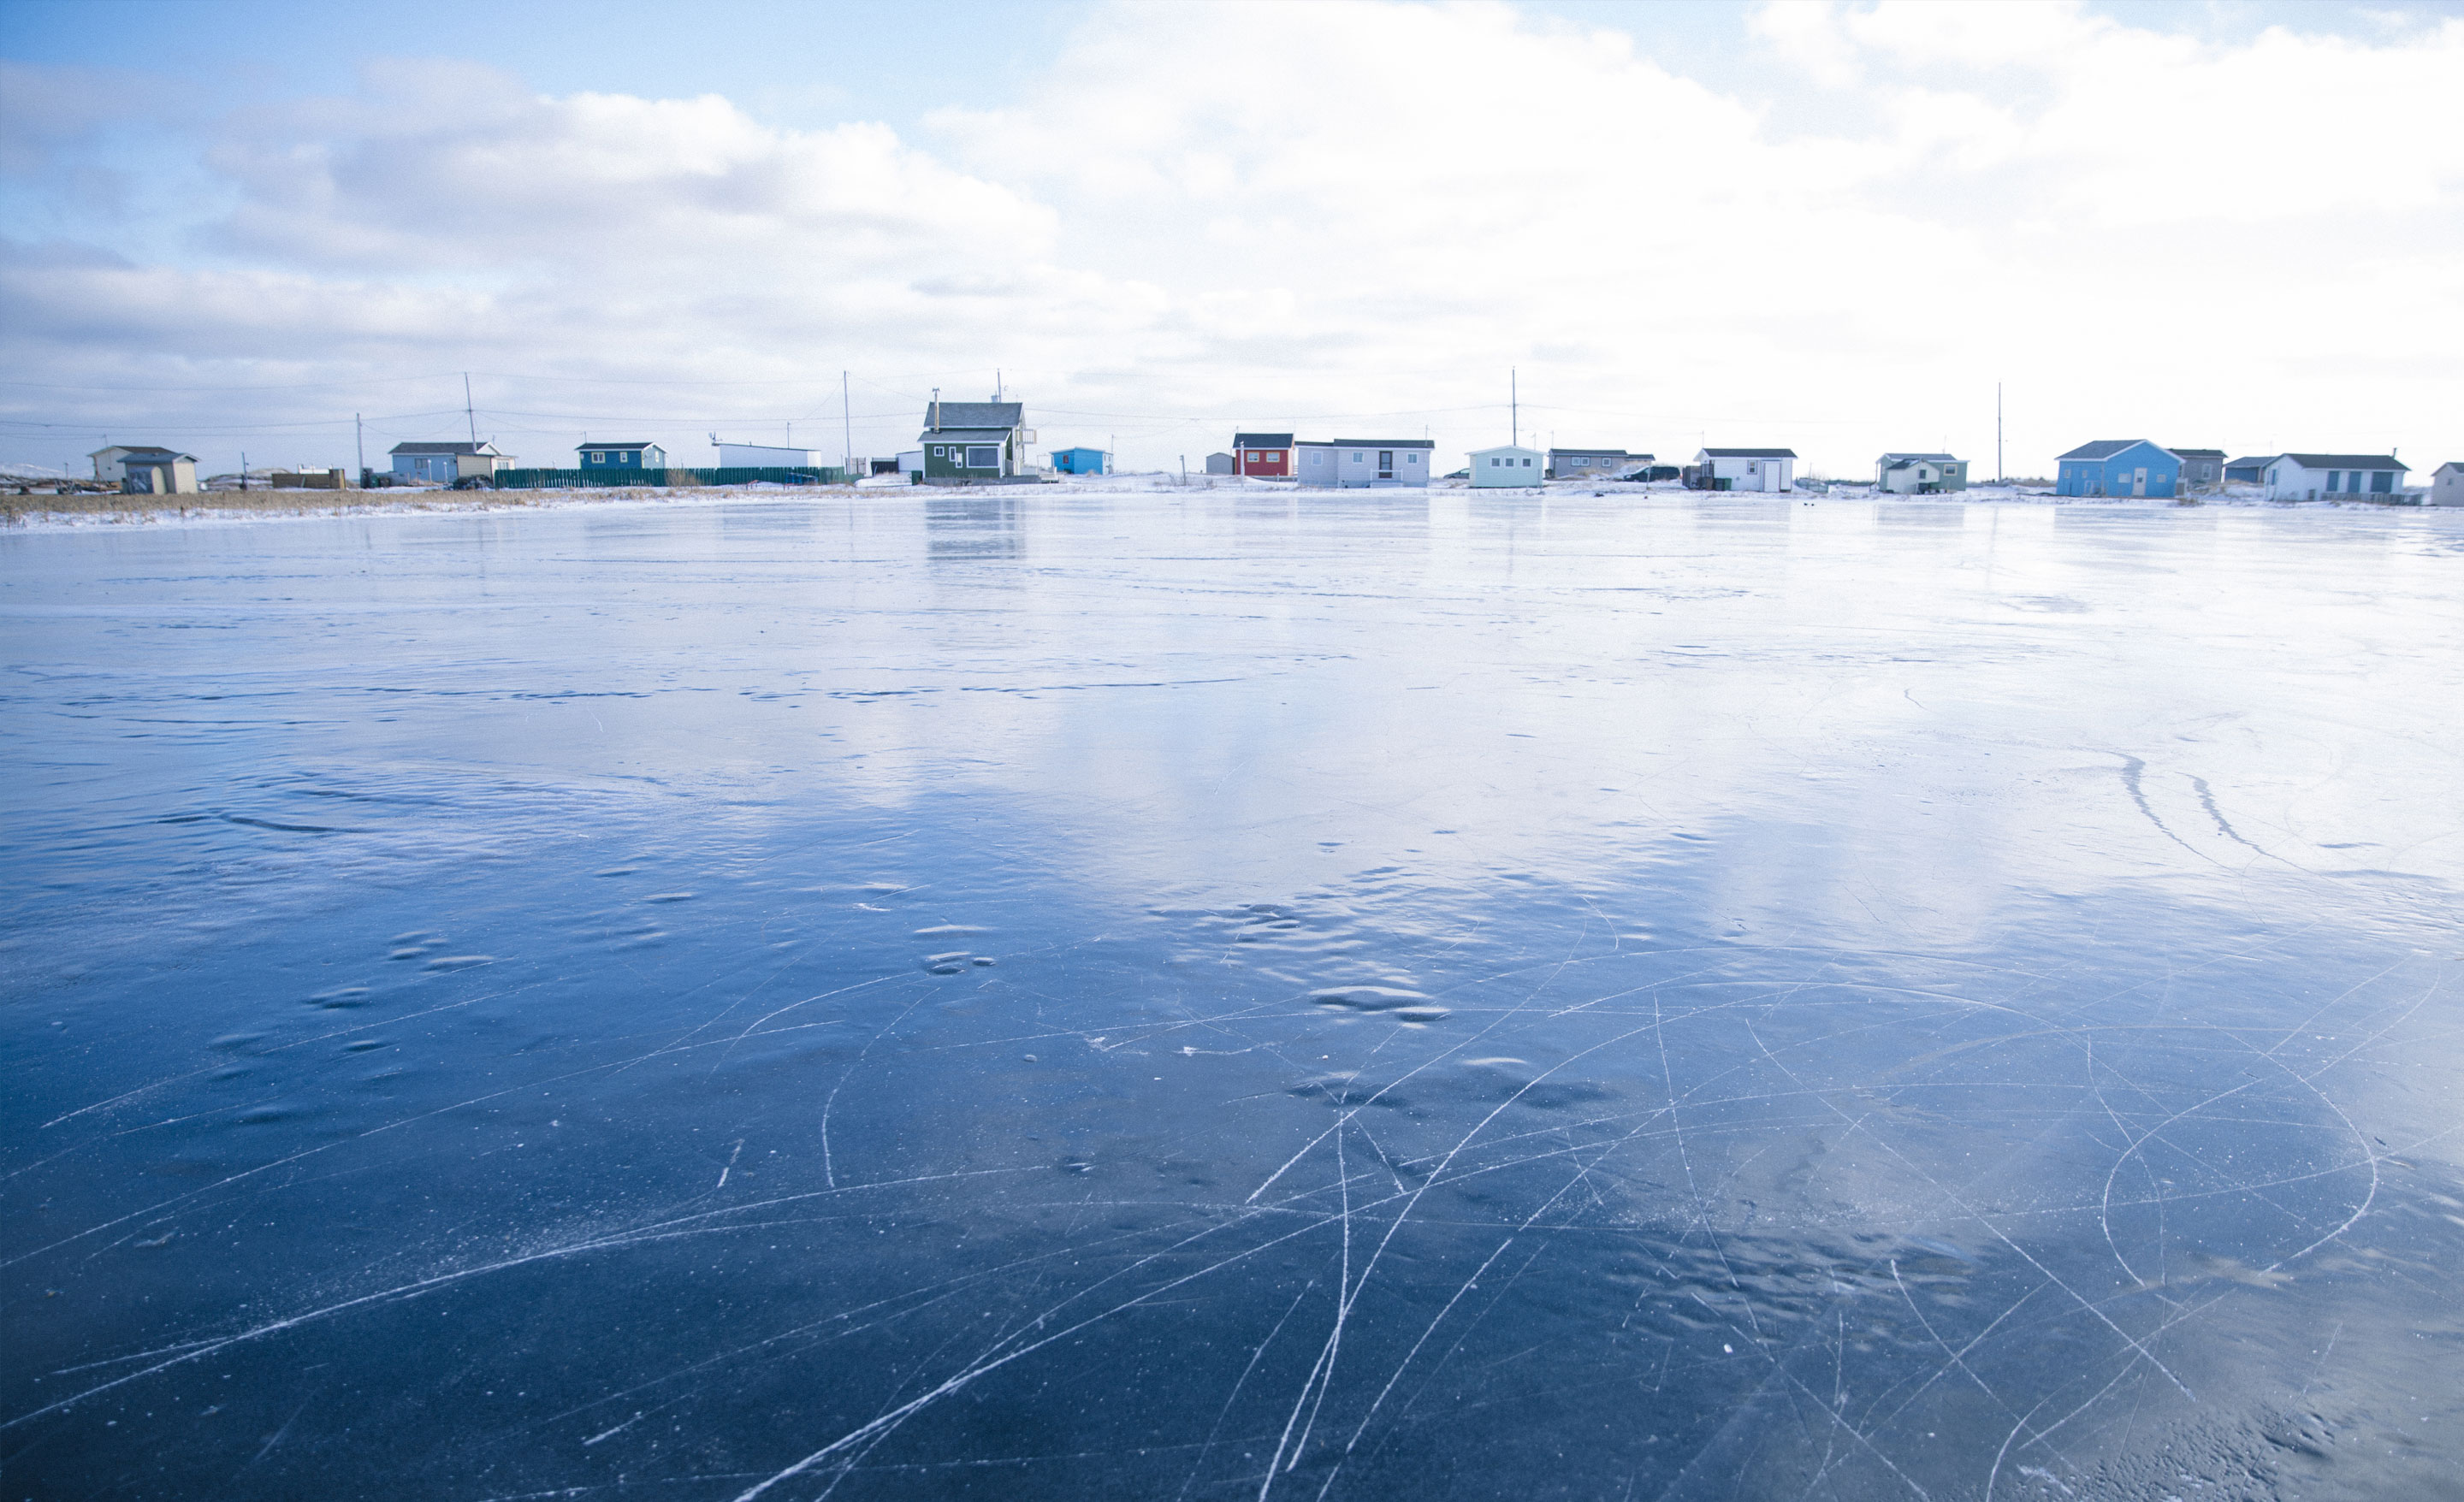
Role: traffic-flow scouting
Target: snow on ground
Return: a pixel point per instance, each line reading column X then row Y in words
column 29, row 513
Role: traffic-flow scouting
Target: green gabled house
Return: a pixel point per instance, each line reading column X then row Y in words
column 975, row 441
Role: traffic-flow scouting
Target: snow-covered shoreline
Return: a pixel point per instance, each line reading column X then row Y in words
column 25, row 514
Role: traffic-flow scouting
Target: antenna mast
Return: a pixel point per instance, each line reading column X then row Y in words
column 1514, row 406
column 469, row 413
column 1997, row 432
column 847, row 420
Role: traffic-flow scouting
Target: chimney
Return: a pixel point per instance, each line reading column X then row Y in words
column 936, row 409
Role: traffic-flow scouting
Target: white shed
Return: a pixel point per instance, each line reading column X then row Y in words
column 2447, row 484
column 1746, row 469
column 764, row 456
column 1508, row 465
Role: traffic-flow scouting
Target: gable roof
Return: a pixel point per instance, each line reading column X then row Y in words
column 2106, row 449
column 1381, row 442
column 153, row 456
column 2196, row 453
column 131, row 449
column 965, row 435
column 2456, row 464
column 464, row 448
column 1593, row 453
column 1751, row 454
column 977, row 414
column 1262, row 440
column 2249, row 460
column 2346, row 461
column 489, row 449
column 1895, row 460
column 1505, row 448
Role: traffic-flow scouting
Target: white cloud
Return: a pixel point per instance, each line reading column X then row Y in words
column 1277, row 213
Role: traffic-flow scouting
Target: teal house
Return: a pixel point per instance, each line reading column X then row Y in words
column 1081, row 461
column 620, row 456
column 2118, row 466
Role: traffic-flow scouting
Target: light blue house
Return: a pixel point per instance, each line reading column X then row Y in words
column 1081, row 461
column 2118, row 466
column 621, row 456
column 1508, row 467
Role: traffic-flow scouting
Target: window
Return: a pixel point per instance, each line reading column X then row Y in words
column 1411, row 458
column 983, row 456
column 938, row 452
column 1253, row 456
column 2381, row 481
column 597, row 458
column 1526, row 464
column 2333, row 475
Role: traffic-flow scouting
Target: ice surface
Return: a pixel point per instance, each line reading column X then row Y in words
column 1235, row 996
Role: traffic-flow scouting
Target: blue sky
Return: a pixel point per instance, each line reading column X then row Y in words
column 1104, row 202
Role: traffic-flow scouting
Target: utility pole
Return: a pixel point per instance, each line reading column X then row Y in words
column 1514, row 408
column 847, row 426
column 1184, row 470
column 468, row 411
column 359, row 437
column 243, row 471
column 1997, row 432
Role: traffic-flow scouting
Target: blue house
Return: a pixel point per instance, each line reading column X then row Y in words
column 620, row 456
column 2118, row 466
column 1081, row 461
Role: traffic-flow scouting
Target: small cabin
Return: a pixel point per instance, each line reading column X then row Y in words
column 621, row 456
column 1744, row 469
column 1920, row 475
column 1508, row 467
column 2335, row 477
column 1081, row 461
column 2118, row 466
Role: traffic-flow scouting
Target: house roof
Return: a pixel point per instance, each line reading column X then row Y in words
column 2456, row 464
column 158, row 456
column 1381, row 442
column 2196, row 453
column 1079, row 448
column 1504, row 448
column 2106, row 448
column 2250, row 459
column 1896, row 459
column 965, row 435
column 1593, row 453
column 1002, row 415
column 464, row 448
column 1751, row 454
column 131, row 449
column 2346, row 461
column 1262, row 440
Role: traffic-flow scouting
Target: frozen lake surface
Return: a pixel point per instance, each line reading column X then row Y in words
column 1366, row 997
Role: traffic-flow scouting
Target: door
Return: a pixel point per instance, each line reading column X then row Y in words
column 1385, row 463
column 2139, row 481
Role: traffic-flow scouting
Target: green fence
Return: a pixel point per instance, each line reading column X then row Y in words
column 577, row 479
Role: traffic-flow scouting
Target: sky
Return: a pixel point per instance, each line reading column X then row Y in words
column 292, row 230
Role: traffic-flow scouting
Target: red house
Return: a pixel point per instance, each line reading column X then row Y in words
column 1266, row 455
